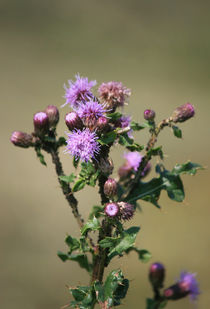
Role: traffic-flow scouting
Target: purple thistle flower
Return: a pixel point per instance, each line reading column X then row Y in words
column 82, row 144
column 188, row 283
column 79, row 91
column 111, row 209
column 91, row 109
column 114, row 94
column 133, row 159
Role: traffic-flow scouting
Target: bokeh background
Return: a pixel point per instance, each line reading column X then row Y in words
column 159, row 49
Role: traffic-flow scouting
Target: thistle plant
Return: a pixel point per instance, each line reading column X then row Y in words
column 95, row 123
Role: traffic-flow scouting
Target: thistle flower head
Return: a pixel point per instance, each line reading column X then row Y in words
column 126, row 210
column 82, row 144
column 73, row 121
column 111, row 209
column 53, row 115
column 133, row 159
column 157, row 275
column 21, row 139
column 41, row 123
column 114, row 94
column 90, row 112
column 110, row 187
column 79, row 91
column 186, row 285
column 149, row 114
column 183, row 113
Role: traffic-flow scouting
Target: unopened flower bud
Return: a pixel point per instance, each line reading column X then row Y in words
column 53, row 115
column 124, row 171
column 149, row 114
column 183, row 113
column 21, row 139
column 110, row 187
column 157, row 275
column 187, row 285
column 102, row 124
column 126, row 210
column 73, row 121
column 111, row 209
column 41, row 123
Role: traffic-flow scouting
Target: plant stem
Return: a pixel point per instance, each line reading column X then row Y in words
column 66, row 188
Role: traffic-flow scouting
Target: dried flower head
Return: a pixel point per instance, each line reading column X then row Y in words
column 114, row 94
column 79, row 91
column 82, row 144
column 126, row 210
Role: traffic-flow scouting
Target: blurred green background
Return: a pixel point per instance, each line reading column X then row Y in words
column 159, row 49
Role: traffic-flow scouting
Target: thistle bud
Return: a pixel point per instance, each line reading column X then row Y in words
column 111, row 209
column 126, row 210
column 157, row 275
column 102, row 124
column 21, row 139
column 149, row 114
column 53, row 115
column 73, row 121
column 41, row 123
column 124, row 171
column 187, row 285
column 183, row 113
column 110, row 188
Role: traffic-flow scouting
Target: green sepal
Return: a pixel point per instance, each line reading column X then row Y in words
column 186, row 168
column 177, row 131
column 40, row 156
column 68, row 179
column 91, row 225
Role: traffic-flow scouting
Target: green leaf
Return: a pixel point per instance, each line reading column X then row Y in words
column 144, row 255
column 89, row 173
column 61, row 141
column 125, row 242
column 177, row 132
column 63, row 256
column 81, row 259
column 40, row 156
column 96, row 211
column 108, row 138
column 135, row 147
column 99, row 289
column 121, row 292
column 137, row 127
column 92, row 225
column 114, row 278
column 155, row 152
column 114, row 116
column 83, row 296
column 79, row 185
column 186, row 168
column 173, row 185
column 72, row 242
column 68, row 179
column 125, row 140
column 108, row 242
column 153, row 304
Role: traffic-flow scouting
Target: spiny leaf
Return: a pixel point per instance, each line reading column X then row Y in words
column 79, row 185
column 186, row 168
column 68, row 179
column 92, row 225
column 177, row 132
